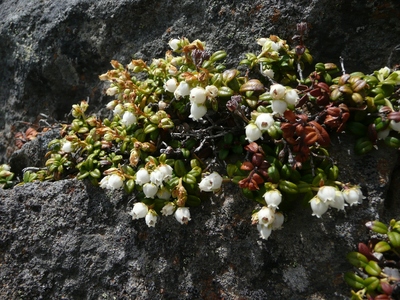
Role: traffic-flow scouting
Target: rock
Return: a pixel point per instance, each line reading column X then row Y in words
column 70, row 240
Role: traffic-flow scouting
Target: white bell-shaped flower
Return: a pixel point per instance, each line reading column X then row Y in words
column 115, row 182
column 278, row 221
column 273, row 198
column 142, row 176
column 139, row 210
column 111, row 91
column 264, row 121
column 168, row 209
column 277, row 91
column 395, row 125
column 67, row 147
column 198, row 95
column 182, row 215
column 174, row 44
column 291, row 97
column 197, row 111
column 211, row 183
column 253, row 133
column 171, row 85
column 338, row 203
column 128, row 119
column 353, row 196
column 163, row 193
column 266, row 216
column 318, row 207
column 182, row 90
column 118, row 109
column 150, row 190
column 327, row 193
column 278, row 106
column 265, row 231
column 151, row 218
column 166, row 171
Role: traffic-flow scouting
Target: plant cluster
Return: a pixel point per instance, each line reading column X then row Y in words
column 377, row 264
column 182, row 125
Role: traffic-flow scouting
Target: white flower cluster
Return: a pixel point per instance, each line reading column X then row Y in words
column 267, row 217
column 197, row 96
column 282, row 97
column 153, row 183
column 329, row 196
column 255, row 130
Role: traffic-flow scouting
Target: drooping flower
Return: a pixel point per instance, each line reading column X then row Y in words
column 265, row 231
column 171, row 85
column 278, row 221
column 182, row 215
column 150, row 189
column 211, row 183
column 111, row 91
column 264, row 121
column 111, row 182
column 163, row 193
column 67, row 147
column 139, row 210
column 394, row 125
column 353, row 195
column 253, row 133
column 174, row 44
column 151, row 218
column 118, row 109
column 291, row 97
column 273, row 198
column 277, row 91
column 142, row 176
column 278, row 106
column 197, row 111
column 338, row 202
column 266, row 216
column 128, row 119
column 198, row 95
column 168, row 209
column 115, row 182
column 318, row 207
column 326, row 193
column 182, row 90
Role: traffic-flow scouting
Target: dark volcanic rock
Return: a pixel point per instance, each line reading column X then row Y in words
column 70, row 240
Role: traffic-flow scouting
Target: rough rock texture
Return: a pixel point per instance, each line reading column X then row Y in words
column 69, row 240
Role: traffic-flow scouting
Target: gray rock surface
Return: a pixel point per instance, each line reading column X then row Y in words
column 70, row 240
